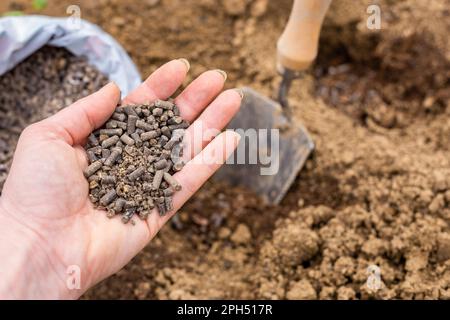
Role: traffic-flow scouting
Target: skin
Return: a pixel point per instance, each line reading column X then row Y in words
column 48, row 226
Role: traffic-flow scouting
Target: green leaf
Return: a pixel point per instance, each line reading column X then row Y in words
column 39, row 4
column 13, row 13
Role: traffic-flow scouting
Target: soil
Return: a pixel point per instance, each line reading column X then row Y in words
column 373, row 200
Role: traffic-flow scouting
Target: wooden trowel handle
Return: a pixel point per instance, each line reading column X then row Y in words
column 297, row 46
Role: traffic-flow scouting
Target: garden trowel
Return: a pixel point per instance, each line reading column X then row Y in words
column 273, row 148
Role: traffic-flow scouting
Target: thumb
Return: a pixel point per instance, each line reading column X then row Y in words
column 77, row 121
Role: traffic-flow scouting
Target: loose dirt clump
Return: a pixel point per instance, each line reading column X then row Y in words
column 43, row 84
column 132, row 159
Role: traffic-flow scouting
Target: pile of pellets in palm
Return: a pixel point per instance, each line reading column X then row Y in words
column 132, row 160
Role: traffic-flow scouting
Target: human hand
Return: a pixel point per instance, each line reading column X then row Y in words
column 48, row 224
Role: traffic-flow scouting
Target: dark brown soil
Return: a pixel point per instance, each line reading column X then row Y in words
column 376, row 192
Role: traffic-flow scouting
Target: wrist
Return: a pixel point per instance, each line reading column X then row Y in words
column 27, row 267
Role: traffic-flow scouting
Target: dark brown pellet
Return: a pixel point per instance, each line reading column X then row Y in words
column 161, row 164
column 157, row 112
column 169, row 166
column 166, row 131
column 126, row 217
column 157, row 179
column 109, row 179
column 125, row 138
column 183, row 125
column 92, row 140
column 175, row 120
column 161, row 205
column 137, row 138
column 143, row 125
column 115, row 154
column 171, row 180
column 167, row 105
column 110, row 142
column 168, row 192
column 92, row 168
column 119, row 116
column 168, row 203
column 91, row 156
column 96, row 150
column 106, row 153
column 179, row 165
column 111, row 132
column 119, row 205
column 112, row 124
column 129, row 110
column 149, row 135
column 136, row 173
column 163, row 140
column 131, row 124
column 108, row 197
column 130, row 204
column 122, row 125
column 176, row 110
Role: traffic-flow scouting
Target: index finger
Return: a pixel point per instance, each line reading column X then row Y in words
column 161, row 84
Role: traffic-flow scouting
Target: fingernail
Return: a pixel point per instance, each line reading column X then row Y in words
column 186, row 63
column 240, row 92
column 222, row 73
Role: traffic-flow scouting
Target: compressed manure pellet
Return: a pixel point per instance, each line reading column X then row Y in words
column 112, row 124
column 110, row 142
column 141, row 124
column 92, row 140
column 91, row 156
column 131, row 124
column 92, row 168
column 108, row 197
column 157, row 179
column 136, row 173
column 119, row 116
column 119, row 205
column 114, row 155
column 108, row 179
column 130, row 110
column 167, row 105
column 137, row 138
column 168, row 192
column 149, row 135
column 161, row 164
column 168, row 203
column 171, row 181
column 140, row 149
column 111, row 132
column 125, row 138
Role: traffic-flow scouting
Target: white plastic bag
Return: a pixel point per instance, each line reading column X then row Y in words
column 22, row 36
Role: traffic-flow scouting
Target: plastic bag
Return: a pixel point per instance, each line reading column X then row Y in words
column 22, row 36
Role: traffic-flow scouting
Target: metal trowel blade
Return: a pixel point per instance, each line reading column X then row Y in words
column 274, row 158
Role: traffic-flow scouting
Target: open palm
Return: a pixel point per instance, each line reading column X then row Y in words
column 47, row 195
